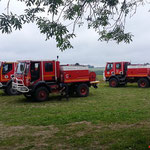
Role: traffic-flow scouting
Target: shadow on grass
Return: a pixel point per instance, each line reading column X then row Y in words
column 3, row 94
column 53, row 99
column 122, row 86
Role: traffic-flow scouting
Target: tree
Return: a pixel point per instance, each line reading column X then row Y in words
column 106, row 17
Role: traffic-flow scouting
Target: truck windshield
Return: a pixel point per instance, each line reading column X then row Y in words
column 109, row 66
column 20, row 68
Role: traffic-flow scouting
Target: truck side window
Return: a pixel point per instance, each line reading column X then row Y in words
column 118, row 66
column 126, row 66
column 109, row 66
column 35, row 71
column 27, row 69
column 7, row 68
column 48, row 67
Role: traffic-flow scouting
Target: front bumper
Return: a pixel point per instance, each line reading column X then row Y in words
column 1, row 85
column 19, row 86
column 94, row 83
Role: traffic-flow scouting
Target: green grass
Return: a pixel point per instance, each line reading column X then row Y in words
column 109, row 118
column 98, row 71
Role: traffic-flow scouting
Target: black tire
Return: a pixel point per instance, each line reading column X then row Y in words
column 143, row 83
column 41, row 94
column 82, row 90
column 10, row 91
column 113, row 82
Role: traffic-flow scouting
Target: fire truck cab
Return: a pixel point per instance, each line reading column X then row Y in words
column 120, row 73
column 7, row 70
column 115, row 73
column 37, row 79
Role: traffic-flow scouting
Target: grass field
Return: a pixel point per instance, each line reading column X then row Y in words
column 109, row 118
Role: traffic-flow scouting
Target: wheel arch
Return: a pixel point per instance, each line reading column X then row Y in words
column 113, row 77
column 146, row 78
column 41, row 84
column 8, row 82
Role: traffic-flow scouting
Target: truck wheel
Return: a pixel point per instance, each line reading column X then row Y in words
column 10, row 91
column 41, row 94
column 82, row 90
column 113, row 82
column 143, row 83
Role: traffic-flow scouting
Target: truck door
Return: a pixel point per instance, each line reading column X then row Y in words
column 49, row 70
column 7, row 71
column 109, row 70
column 35, row 71
column 126, row 67
column 119, row 68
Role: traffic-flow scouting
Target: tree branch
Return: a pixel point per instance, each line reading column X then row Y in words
column 8, row 3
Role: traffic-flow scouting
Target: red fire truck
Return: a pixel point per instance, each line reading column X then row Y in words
column 39, row 78
column 7, row 70
column 120, row 73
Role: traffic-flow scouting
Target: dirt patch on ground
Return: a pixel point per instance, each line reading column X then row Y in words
column 124, row 126
column 42, row 137
column 88, row 127
column 8, row 131
column 113, row 126
column 79, row 123
column 49, row 131
column 34, row 137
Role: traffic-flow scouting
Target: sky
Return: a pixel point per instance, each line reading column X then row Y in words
column 29, row 44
